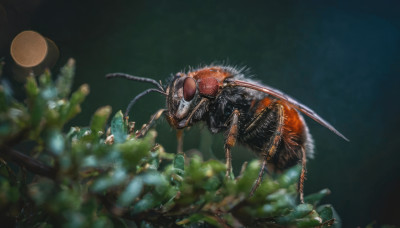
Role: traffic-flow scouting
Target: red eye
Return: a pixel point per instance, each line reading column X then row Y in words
column 189, row 89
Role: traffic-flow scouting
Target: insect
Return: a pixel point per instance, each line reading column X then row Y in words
column 257, row 116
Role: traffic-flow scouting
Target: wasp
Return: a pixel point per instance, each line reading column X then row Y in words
column 257, row 116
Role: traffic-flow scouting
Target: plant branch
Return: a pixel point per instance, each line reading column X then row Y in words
column 152, row 216
column 29, row 163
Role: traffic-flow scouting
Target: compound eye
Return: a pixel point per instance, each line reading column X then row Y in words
column 189, row 89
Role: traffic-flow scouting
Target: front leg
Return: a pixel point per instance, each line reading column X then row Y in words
column 179, row 138
column 146, row 127
column 230, row 140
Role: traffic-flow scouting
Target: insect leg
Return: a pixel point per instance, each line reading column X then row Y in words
column 255, row 121
column 179, row 137
column 146, row 127
column 194, row 111
column 230, row 140
column 302, row 175
column 271, row 147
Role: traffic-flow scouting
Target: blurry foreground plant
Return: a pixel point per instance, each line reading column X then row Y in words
column 91, row 177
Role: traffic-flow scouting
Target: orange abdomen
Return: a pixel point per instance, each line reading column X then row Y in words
column 293, row 137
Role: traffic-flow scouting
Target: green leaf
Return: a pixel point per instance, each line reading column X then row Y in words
column 119, row 128
column 278, row 203
column 131, row 192
column 178, row 168
column 35, row 103
column 179, row 162
column 45, row 79
column 99, row 119
column 316, row 197
column 37, row 111
column 246, row 181
column 79, row 95
column 115, row 178
column 290, row 176
column 267, row 187
column 312, row 220
column 144, row 204
column 212, row 184
column 153, row 178
column 31, row 87
column 72, row 107
column 49, row 94
column 327, row 212
column 133, row 151
column 65, row 79
column 299, row 212
column 55, row 142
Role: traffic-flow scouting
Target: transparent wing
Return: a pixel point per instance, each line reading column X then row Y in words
column 278, row 94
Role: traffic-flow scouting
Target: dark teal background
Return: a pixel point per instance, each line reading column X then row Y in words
column 342, row 59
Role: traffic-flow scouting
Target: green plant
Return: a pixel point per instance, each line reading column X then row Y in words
column 94, row 177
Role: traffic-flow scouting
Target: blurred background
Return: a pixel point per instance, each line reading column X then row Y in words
column 341, row 58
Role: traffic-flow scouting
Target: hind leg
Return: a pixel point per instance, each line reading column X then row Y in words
column 270, row 148
column 302, row 174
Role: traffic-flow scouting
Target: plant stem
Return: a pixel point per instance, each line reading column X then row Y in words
column 29, row 163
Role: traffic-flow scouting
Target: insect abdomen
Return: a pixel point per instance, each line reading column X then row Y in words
column 259, row 131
